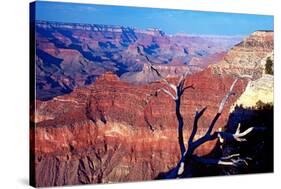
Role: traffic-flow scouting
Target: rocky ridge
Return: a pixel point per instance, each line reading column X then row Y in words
column 72, row 55
column 245, row 57
column 260, row 90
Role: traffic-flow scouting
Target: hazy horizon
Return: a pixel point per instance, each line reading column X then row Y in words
column 168, row 20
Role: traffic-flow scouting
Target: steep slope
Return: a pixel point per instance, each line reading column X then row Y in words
column 112, row 131
column 260, row 90
column 245, row 57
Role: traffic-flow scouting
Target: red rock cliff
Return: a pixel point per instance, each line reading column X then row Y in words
column 113, row 131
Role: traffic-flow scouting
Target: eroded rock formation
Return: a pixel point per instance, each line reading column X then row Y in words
column 245, row 57
column 112, row 131
column 73, row 55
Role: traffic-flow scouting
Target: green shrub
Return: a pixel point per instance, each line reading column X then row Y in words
column 269, row 66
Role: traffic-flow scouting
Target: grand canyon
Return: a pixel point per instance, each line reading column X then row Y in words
column 99, row 114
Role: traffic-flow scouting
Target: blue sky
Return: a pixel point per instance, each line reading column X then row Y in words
column 170, row 21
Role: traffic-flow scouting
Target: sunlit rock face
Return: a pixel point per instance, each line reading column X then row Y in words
column 113, row 131
column 258, row 90
column 245, row 57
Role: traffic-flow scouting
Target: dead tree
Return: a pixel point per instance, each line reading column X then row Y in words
column 187, row 154
column 175, row 92
column 231, row 160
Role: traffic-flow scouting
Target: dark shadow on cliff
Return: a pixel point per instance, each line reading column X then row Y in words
column 258, row 149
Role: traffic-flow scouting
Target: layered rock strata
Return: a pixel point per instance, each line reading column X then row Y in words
column 112, row 131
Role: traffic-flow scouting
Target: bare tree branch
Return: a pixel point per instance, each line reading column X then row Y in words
column 182, row 78
column 213, row 123
column 182, row 89
column 169, row 84
column 168, row 93
column 195, row 124
column 237, row 136
column 178, row 90
column 180, row 126
column 222, row 135
column 230, row 92
column 221, row 106
column 187, row 154
column 172, row 86
column 232, row 160
column 230, row 156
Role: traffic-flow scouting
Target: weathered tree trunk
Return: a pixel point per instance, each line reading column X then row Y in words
column 180, row 126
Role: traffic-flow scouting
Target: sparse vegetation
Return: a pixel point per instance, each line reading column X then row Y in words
column 260, row 105
column 269, row 66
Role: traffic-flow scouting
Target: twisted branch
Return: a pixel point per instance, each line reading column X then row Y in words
column 187, row 154
column 195, row 125
column 231, row 160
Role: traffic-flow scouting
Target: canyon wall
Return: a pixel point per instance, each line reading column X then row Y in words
column 111, row 130
column 72, row 55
